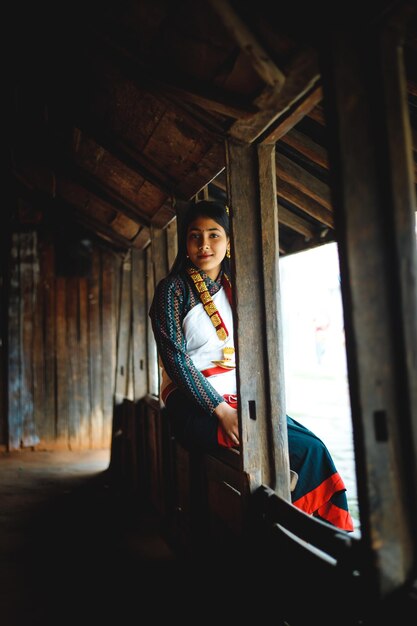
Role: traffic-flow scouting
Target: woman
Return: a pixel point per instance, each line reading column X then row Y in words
column 192, row 321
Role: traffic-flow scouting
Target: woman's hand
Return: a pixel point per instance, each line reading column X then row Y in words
column 228, row 421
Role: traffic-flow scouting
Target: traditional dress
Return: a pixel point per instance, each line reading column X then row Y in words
column 191, row 343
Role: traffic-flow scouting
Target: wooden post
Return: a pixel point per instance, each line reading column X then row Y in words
column 139, row 322
column 365, row 99
column 264, row 444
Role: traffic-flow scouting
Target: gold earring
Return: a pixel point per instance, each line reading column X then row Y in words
column 228, row 251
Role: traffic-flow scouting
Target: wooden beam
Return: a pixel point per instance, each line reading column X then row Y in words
column 302, row 83
column 274, row 348
column 285, row 216
column 298, row 177
column 57, row 206
column 142, row 239
column 125, row 154
column 98, row 189
column 299, row 109
column 294, row 222
column 306, row 204
column 307, row 147
column 263, row 65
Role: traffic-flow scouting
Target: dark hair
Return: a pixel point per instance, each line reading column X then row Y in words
column 212, row 209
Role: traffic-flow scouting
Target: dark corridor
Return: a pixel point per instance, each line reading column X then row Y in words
column 74, row 547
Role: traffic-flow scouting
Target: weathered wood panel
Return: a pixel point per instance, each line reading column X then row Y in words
column 274, row 347
column 109, row 282
column 139, row 323
column 123, row 332
column 73, row 361
column 39, row 399
column 95, row 355
column 29, row 270
column 153, row 366
column 57, row 340
column 84, row 383
column 14, row 417
column 172, row 242
column 159, row 254
column 49, row 296
column 62, row 365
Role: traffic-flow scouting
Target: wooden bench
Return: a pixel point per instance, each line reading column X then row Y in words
column 202, row 498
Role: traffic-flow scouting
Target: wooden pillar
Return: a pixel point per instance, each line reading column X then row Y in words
column 255, row 252
column 367, row 111
column 123, row 331
column 139, row 324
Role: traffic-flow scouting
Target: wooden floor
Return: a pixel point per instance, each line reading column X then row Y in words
column 77, row 549
column 74, row 548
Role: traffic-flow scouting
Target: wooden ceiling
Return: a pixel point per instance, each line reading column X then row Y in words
column 121, row 109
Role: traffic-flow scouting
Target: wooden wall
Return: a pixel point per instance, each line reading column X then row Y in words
column 69, row 332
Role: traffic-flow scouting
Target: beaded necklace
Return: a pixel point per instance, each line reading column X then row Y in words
column 208, row 303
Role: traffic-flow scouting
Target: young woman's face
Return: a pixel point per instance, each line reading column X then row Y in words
column 206, row 245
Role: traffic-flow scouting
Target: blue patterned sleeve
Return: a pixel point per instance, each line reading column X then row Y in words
column 166, row 314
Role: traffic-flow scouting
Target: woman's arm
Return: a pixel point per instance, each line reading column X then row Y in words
column 167, row 313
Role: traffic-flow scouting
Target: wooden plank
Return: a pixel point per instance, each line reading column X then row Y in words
column 95, row 225
column 130, row 375
column 307, row 147
column 249, row 310
column 159, row 254
column 403, row 259
column 29, row 268
column 5, row 263
column 153, row 446
column 79, row 177
column 172, row 242
column 13, row 341
column 62, row 365
column 298, row 94
column 139, row 324
column 95, row 356
column 73, row 363
column 274, row 347
column 303, row 106
column 123, row 152
column 301, row 179
column 84, row 383
column 166, row 212
column 123, row 332
column 142, row 239
column 294, row 222
column 306, row 204
column 109, row 282
column 371, row 163
column 172, row 86
column 317, row 114
column 48, row 291
column 152, row 360
column 39, row 328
